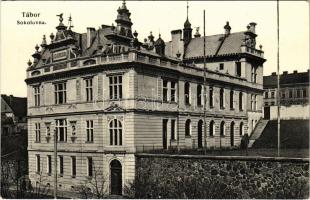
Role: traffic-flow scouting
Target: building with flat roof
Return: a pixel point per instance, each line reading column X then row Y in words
column 107, row 95
column 294, row 95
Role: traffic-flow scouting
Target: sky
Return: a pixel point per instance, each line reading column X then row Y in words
column 18, row 41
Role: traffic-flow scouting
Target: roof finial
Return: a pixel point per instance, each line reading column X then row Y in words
column 124, row 4
column 70, row 22
column 187, row 10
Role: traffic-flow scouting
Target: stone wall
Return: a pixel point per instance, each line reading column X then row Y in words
column 175, row 176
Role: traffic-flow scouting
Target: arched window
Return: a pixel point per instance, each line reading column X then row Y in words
column 187, row 93
column 188, row 128
column 211, row 128
column 199, row 95
column 240, row 101
column 241, row 129
column 232, row 133
column 222, row 128
column 115, row 128
column 221, row 98
column 231, row 99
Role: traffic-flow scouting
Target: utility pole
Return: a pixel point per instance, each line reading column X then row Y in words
column 204, row 82
column 55, row 164
column 278, row 77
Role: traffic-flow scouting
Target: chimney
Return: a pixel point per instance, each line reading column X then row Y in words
column 177, row 45
column 252, row 27
column 273, row 74
column 284, row 72
column 295, row 71
column 227, row 29
column 90, row 35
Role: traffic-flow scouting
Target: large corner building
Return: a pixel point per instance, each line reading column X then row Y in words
column 108, row 95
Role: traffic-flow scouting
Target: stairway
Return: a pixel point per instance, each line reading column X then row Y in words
column 261, row 125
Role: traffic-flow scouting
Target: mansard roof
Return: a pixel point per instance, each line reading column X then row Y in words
column 215, row 45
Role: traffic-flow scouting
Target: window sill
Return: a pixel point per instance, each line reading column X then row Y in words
column 188, row 136
column 37, row 141
column 61, row 175
column 73, row 176
column 62, row 142
column 89, row 142
column 232, row 109
column 222, row 108
column 49, row 174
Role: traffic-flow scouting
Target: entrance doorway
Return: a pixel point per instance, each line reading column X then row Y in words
column 116, row 177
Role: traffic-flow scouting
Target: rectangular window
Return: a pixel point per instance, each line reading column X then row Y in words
column 172, row 129
column 272, row 94
column 298, row 93
column 38, row 132
column 173, row 91
column 231, row 100
column 266, row 95
column 238, row 68
column 165, row 91
column 73, row 166
column 49, row 165
column 221, row 66
column 61, row 165
column 290, row 93
column 37, row 96
column 304, row 93
column 165, row 133
column 115, row 87
column 211, row 97
column 61, row 130
column 90, row 166
column 89, row 89
column 60, row 93
column 240, row 101
column 222, row 100
column 38, row 164
column 283, row 94
column 90, row 130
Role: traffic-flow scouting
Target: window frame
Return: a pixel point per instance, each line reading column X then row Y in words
column 188, row 128
column 89, row 89
column 173, row 129
column 61, row 165
column 60, row 94
column 36, row 94
column 73, row 166
column 116, row 132
column 38, row 132
column 90, row 167
column 115, row 87
column 90, row 131
column 63, row 126
column 49, row 164
column 187, row 93
column 38, row 164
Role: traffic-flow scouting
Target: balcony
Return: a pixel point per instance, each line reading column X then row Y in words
column 253, row 51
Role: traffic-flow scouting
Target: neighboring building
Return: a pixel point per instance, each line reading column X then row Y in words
column 13, row 115
column 294, row 95
column 108, row 96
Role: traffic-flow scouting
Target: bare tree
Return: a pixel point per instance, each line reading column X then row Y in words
column 94, row 186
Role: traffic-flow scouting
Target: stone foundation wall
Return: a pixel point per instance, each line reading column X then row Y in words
column 175, row 176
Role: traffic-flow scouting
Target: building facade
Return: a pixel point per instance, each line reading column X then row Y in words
column 294, row 95
column 13, row 115
column 106, row 96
